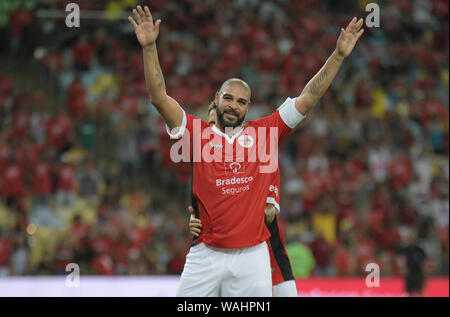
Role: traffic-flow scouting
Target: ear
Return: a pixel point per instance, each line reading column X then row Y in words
column 216, row 99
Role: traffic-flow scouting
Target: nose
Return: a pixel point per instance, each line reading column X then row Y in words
column 234, row 106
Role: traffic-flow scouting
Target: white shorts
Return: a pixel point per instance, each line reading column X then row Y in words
column 214, row 272
column 285, row 289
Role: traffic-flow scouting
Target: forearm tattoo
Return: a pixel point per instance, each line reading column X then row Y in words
column 159, row 76
column 319, row 83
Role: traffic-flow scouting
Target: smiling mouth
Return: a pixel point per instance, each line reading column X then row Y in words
column 231, row 116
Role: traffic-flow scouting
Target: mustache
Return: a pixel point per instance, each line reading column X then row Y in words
column 232, row 112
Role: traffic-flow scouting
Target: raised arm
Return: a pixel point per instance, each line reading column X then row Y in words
column 147, row 33
column 319, row 84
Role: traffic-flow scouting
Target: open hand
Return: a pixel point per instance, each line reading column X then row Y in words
column 146, row 31
column 348, row 37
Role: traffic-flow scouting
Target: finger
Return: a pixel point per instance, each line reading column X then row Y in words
column 358, row 26
column 191, row 210
column 157, row 23
column 196, row 224
column 148, row 13
column 196, row 230
column 132, row 22
column 354, row 25
column 358, row 35
column 137, row 17
column 193, row 233
column 141, row 12
column 350, row 25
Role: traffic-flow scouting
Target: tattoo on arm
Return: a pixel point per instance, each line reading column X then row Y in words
column 318, row 84
column 159, row 76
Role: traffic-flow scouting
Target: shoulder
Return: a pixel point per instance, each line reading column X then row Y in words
column 269, row 120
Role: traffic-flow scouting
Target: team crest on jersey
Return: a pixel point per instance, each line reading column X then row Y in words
column 246, row 141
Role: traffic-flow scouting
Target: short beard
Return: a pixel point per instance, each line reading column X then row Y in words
column 224, row 124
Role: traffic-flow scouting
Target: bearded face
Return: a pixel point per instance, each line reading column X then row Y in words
column 232, row 107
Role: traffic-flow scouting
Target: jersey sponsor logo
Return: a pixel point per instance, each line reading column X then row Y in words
column 233, row 191
column 235, row 167
column 234, row 180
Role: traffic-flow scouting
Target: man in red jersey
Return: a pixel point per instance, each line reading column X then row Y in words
column 283, row 280
column 231, row 256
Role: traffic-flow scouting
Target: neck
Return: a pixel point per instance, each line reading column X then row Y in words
column 228, row 130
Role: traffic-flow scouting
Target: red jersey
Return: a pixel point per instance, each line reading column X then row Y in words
column 66, row 177
column 12, row 181
column 231, row 175
column 42, row 178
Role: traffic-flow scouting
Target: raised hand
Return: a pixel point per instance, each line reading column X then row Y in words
column 348, row 37
column 146, row 31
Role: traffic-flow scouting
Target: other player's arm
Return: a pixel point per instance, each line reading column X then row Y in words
column 319, row 84
column 272, row 203
column 270, row 213
column 195, row 225
column 147, row 33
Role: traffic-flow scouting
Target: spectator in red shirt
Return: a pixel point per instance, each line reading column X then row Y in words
column 20, row 19
column 322, row 254
column 5, row 153
column 65, row 254
column 5, row 251
column 101, row 244
column 76, row 99
column 42, row 187
column 60, row 130
column 65, row 194
column 83, row 52
column 21, row 120
column 12, row 186
column 400, row 171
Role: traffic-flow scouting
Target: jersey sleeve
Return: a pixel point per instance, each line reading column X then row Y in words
column 273, row 197
column 289, row 113
column 191, row 127
column 285, row 118
column 273, row 191
column 178, row 132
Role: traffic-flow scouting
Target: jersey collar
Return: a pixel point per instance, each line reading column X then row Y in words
column 229, row 139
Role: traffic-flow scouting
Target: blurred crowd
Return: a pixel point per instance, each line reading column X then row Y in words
column 85, row 172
